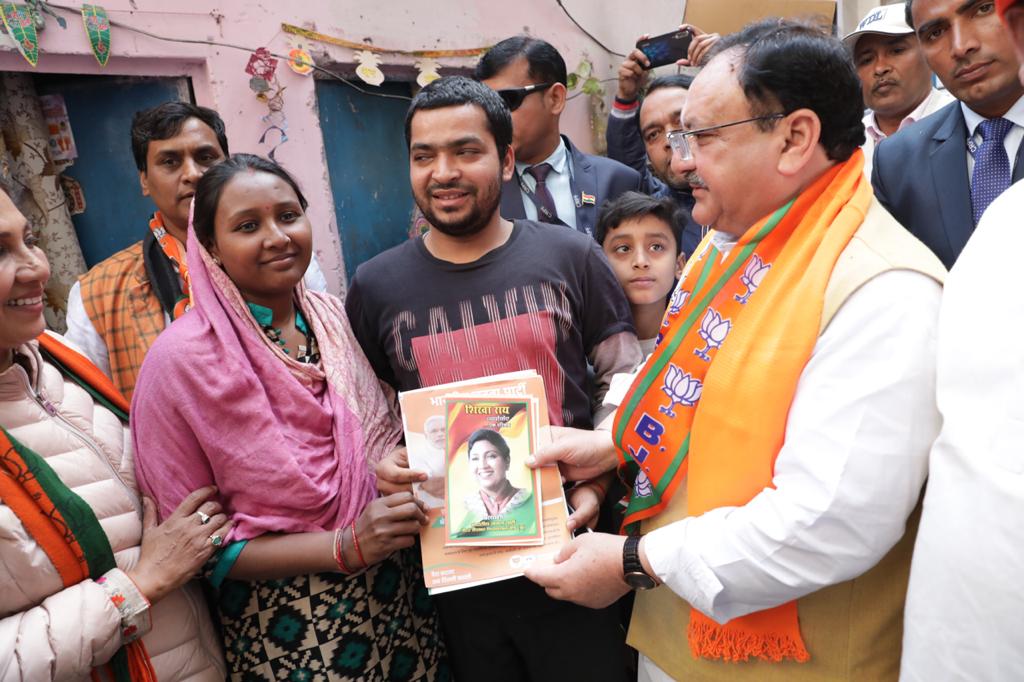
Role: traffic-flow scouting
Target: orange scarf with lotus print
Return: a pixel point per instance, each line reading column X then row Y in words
column 711, row 404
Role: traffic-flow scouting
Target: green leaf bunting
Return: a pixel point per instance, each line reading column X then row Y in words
column 21, row 26
column 97, row 26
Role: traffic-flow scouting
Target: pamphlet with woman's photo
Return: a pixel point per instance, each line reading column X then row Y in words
column 492, row 497
column 489, row 515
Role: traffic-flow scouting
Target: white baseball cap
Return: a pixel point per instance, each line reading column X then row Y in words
column 888, row 20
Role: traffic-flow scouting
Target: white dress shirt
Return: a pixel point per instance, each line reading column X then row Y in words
column 1012, row 140
column 965, row 601
column 82, row 333
column 935, row 100
column 849, row 472
column 558, row 182
column 847, row 477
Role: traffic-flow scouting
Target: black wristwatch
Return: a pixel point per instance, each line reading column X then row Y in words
column 632, row 569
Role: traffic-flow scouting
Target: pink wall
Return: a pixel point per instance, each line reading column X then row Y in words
column 220, row 82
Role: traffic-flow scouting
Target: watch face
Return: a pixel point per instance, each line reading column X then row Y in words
column 640, row 581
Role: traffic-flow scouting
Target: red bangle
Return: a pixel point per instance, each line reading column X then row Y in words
column 339, row 551
column 355, row 541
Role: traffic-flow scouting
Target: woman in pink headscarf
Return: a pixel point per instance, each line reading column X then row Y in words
column 262, row 390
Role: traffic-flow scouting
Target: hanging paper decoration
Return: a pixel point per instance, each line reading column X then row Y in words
column 263, row 69
column 369, row 67
column 97, row 26
column 428, row 72
column 58, row 125
column 21, row 27
column 261, row 65
column 275, row 121
column 300, row 61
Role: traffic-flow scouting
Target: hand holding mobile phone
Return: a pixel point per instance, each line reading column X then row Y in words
column 667, row 48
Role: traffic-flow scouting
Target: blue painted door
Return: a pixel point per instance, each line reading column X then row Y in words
column 364, row 139
column 100, row 109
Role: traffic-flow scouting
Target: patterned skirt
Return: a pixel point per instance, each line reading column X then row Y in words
column 379, row 625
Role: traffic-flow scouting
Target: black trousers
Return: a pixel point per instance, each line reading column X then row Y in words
column 511, row 631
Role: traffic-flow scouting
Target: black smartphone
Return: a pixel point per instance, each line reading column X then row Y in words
column 667, row 48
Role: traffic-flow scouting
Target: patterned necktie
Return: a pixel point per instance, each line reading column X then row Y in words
column 991, row 174
column 546, row 212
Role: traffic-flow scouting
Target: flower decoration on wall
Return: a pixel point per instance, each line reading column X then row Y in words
column 300, row 61
column 261, row 67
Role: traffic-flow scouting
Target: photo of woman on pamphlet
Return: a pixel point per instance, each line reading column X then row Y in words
column 484, row 505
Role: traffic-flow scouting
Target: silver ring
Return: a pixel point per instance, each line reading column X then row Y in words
column 203, row 517
column 216, row 540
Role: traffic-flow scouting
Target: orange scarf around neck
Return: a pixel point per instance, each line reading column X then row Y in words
column 711, row 404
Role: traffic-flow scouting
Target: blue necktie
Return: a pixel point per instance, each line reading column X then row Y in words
column 991, row 165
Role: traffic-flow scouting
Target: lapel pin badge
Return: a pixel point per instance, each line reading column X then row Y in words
column 588, row 199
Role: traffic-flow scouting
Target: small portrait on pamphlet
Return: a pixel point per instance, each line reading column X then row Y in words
column 492, row 494
column 426, row 454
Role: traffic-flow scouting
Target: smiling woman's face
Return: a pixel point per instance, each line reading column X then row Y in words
column 262, row 236
column 23, row 274
column 488, row 465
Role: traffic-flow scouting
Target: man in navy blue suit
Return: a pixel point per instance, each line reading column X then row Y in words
column 938, row 176
column 554, row 182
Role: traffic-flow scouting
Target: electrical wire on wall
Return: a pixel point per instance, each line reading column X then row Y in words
column 588, row 33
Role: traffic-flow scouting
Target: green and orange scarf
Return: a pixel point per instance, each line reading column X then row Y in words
column 711, row 404
column 175, row 254
column 59, row 520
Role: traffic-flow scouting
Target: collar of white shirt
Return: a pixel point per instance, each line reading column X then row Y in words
column 973, row 119
column 935, row 100
column 559, row 161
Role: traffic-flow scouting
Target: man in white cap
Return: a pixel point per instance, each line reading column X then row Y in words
column 894, row 75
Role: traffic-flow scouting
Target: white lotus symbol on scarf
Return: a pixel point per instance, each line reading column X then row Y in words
column 681, row 389
column 642, row 486
column 678, row 300
column 751, row 278
column 713, row 330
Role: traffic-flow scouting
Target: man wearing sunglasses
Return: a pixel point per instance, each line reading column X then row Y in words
column 778, row 435
column 554, row 182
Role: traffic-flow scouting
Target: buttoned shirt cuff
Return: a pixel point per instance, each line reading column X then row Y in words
column 684, row 572
column 136, row 619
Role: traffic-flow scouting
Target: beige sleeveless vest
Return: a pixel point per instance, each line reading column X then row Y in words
column 852, row 630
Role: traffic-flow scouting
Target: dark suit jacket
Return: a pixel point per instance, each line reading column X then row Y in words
column 920, row 176
column 594, row 175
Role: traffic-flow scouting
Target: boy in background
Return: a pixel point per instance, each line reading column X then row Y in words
column 641, row 236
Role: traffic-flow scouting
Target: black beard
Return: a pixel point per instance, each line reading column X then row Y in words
column 473, row 223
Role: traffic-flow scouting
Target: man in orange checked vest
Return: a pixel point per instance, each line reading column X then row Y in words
column 777, row 438
column 118, row 308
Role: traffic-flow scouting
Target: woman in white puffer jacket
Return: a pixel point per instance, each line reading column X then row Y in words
column 60, row 618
